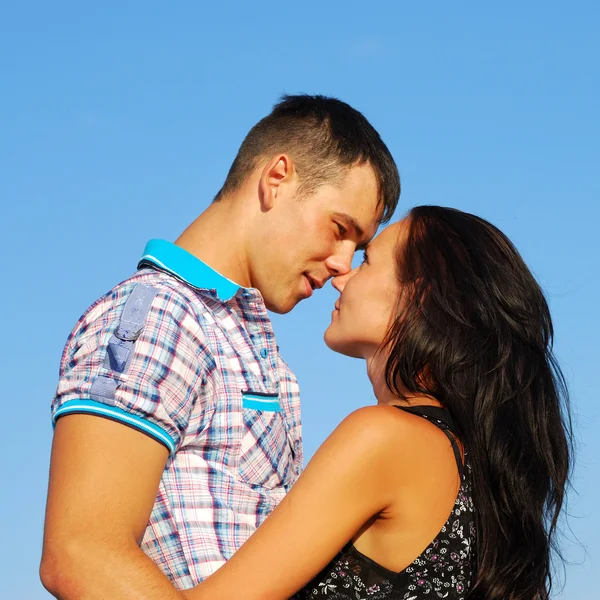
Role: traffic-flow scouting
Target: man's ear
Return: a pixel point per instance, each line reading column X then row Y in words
column 277, row 173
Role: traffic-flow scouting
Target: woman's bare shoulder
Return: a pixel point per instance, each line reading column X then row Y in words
column 390, row 435
column 384, row 423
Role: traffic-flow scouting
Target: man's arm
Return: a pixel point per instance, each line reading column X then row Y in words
column 104, row 478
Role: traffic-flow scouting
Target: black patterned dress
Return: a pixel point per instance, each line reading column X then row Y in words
column 443, row 570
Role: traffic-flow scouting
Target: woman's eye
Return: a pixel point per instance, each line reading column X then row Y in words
column 365, row 259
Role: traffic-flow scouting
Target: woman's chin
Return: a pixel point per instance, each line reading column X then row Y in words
column 341, row 345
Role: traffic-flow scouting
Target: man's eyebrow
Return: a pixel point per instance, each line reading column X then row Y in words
column 353, row 224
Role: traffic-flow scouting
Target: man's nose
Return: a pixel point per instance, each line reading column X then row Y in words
column 340, row 263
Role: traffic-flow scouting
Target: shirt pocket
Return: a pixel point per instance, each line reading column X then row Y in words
column 266, row 455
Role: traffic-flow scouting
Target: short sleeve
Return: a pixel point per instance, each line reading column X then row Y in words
column 136, row 357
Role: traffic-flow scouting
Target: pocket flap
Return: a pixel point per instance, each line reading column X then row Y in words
column 260, row 401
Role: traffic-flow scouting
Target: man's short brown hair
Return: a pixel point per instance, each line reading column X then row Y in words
column 323, row 136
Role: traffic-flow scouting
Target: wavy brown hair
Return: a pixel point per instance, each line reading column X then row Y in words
column 474, row 331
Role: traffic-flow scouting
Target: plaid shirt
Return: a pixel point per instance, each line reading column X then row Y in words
column 189, row 358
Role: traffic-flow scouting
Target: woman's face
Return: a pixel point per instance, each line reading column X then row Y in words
column 368, row 297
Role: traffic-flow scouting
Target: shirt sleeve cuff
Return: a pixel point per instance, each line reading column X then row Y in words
column 91, row 407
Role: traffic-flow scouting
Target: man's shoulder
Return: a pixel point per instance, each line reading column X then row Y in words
column 171, row 292
column 164, row 303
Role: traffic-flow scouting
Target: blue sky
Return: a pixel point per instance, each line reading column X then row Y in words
column 119, row 122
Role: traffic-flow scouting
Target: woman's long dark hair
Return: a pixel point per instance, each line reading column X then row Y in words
column 474, row 331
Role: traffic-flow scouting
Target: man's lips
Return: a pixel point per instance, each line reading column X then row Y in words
column 313, row 284
column 309, row 287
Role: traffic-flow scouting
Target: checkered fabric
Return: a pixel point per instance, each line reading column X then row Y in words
column 189, row 358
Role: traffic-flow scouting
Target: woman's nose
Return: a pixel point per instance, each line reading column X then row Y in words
column 339, row 282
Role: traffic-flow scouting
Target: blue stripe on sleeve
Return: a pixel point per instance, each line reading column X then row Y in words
column 112, row 412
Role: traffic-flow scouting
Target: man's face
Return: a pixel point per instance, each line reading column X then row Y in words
column 303, row 242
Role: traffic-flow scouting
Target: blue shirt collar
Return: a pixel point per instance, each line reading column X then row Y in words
column 185, row 266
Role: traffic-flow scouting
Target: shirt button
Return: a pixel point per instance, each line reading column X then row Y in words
column 264, row 352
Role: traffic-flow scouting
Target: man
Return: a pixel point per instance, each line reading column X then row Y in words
column 177, row 424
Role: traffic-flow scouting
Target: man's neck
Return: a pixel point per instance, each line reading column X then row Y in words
column 217, row 237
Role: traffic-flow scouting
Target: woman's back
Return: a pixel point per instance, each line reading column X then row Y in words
column 443, row 569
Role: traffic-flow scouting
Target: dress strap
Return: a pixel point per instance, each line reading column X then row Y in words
column 441, row 418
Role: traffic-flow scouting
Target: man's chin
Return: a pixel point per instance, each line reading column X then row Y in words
column 281, row 308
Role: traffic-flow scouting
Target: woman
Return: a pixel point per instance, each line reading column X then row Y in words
column 452, row 485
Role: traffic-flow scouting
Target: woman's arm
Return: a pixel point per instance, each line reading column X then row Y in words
column 344, row 485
